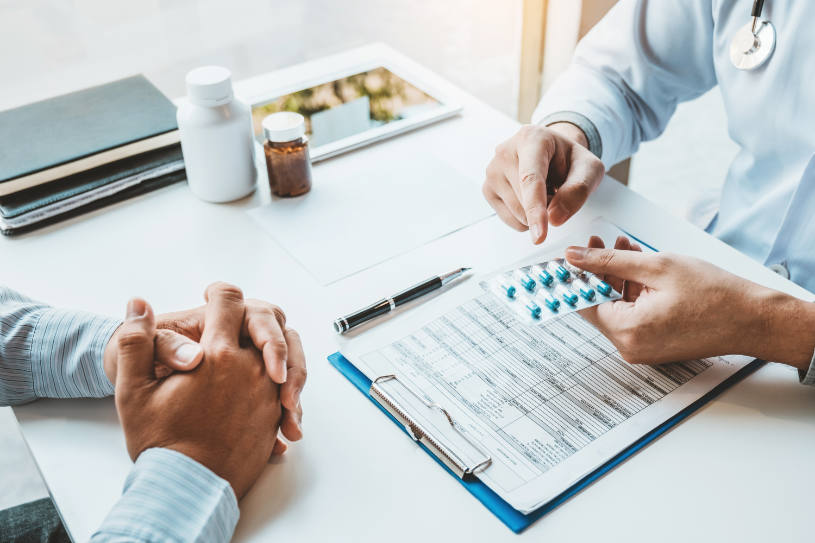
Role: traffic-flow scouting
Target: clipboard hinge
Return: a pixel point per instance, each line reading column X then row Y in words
column 442, row 451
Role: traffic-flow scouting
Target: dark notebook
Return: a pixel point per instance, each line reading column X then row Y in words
column 27, row 201
column 49, row 140
column 130, row 192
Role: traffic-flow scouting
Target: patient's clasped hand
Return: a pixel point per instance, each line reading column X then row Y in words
column 224, row 409
column 202, row 396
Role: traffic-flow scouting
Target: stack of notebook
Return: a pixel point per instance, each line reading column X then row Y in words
column 81, row 151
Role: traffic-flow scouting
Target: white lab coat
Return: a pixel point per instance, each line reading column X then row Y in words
column 645, row 56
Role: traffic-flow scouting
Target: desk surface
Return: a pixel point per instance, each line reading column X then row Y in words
column 738, row 469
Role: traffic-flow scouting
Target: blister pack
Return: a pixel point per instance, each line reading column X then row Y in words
column 548, row 289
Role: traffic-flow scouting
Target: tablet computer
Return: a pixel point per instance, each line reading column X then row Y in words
column 354, row 106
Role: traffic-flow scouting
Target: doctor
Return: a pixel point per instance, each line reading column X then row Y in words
column 627, row 76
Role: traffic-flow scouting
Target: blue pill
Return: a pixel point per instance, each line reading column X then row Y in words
column 569, row 296
column 534, row 309
column 509, row 290
column 587, row 293
column 602, row 286
column 527, row 282
column 551, row 302
column 561, row 272
column 546, row 278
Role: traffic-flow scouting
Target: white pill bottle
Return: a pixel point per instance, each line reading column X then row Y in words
column 216, row 137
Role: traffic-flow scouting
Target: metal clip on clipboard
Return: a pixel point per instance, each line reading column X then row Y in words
column 418, row 432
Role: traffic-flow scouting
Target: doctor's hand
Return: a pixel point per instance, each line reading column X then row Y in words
column 541, row 175
column 681, row 308
column 224, row 414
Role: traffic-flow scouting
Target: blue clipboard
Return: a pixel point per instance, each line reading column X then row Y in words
column 515, row 520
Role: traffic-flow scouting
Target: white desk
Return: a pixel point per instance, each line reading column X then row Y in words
column 740, row 469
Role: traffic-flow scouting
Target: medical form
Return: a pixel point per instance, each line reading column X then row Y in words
column 549, row 403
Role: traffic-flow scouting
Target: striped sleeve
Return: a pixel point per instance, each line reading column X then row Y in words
column 170, row 497
column 50, row 353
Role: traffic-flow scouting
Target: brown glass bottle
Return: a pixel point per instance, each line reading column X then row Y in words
column 287, row 158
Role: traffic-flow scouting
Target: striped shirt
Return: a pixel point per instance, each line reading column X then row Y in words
column 55, row 353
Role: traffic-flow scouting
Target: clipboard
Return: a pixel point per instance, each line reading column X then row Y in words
column 467, row 475
column 512, row 518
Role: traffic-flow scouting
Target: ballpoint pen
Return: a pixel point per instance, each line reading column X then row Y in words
column 386, row 305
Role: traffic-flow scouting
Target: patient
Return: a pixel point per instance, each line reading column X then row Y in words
column 201, row 395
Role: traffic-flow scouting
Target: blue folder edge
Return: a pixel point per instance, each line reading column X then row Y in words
column 514, row 519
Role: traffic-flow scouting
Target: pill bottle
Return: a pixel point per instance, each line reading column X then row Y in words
column 216, row 137
column 286, row 150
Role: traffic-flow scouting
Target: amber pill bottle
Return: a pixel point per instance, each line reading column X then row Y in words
column 287, row 158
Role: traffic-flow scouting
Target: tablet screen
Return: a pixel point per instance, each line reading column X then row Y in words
column 350, row 105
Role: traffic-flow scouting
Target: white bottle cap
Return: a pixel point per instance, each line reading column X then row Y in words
column 284, row 126
column 209, row 86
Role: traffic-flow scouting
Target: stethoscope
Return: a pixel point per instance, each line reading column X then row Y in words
column 754, row 42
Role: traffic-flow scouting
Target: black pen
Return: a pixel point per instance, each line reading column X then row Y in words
column 386, row 305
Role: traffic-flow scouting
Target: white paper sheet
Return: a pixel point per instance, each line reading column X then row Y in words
column 550, row 402
column 350, row 223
